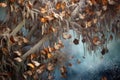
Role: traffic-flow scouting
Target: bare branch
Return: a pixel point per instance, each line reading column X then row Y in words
column 36, row 46
column 19, row 26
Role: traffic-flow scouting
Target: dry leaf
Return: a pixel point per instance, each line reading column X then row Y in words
column 76, row 41
column 43, row 10
column 104, row 8
column 41, row 69
column 78, row 61
column 96, row 40
column 95, row 20
column 111, row 2
column 88, row 24
column 82, row 16
column 104, row 78
column 111, row 37
column 43, row 52
column 99, row 13
column 93, row 2
column 12, row 1
column 25, row 40
column 21, row 1
column 50, row 49
column 43, row 20
column 5, row 50
column 74, row 1
column 18, row 59
column 31, row 65
column 104, row 51
column 50, row 77
column 18, row 53
column 50, row 67
column 3, row 4
column 46, row 50
column 32, row 56
column 57, row 46
column 49, row 18
column 52, row 29
column 63, row 71
column 30, row 5
column 105, row 2
column 36, row 63
column 63, row 5
column 58, row 5
column 70, row 64
column 25, row 76
column 49, row 55
column 12, row 39
column 29, row 73
column 66, row 36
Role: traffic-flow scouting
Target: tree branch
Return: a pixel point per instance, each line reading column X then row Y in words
column 36, row 46
column 19, row 26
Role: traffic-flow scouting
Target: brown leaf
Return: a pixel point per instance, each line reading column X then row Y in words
column 18, row 59
column 36, row 63
column 43, row 10
column 46, row 50
column 32, row 56
column 18, row 53
column 78, row 61
column 88, row 24
column 12, row 1
column 83, row 40
column 12, row 39
column 105, row 2
column 35, row 76
column 63, row 71
column 50, row 67
column 104, row 50
column 111, row 37
column 74, row 1
column 3, row 4
column 52, row 29
column 21, row 1
column 25, row 40
column 76, row 41
column 31, row 65
column 41, row 69
column 50, row 77
column 104, row 78
column 30, row 5
column 43, row 52
column 70, row 64
column 82, row 16
column 93, row 2
column 58, row 5
column 96, row 40
column 66, row 35
column 63, row 5
column 49, row 18
column 29, row 73
column 51, row 49
column 49, row 55
column 43, row 20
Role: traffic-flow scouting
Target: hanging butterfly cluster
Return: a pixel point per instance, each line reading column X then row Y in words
column 23, row 53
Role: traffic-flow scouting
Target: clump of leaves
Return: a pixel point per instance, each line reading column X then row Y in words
column 24, row 55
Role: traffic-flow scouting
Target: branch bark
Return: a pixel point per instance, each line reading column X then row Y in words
column 19, row 26
column 36, row 46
